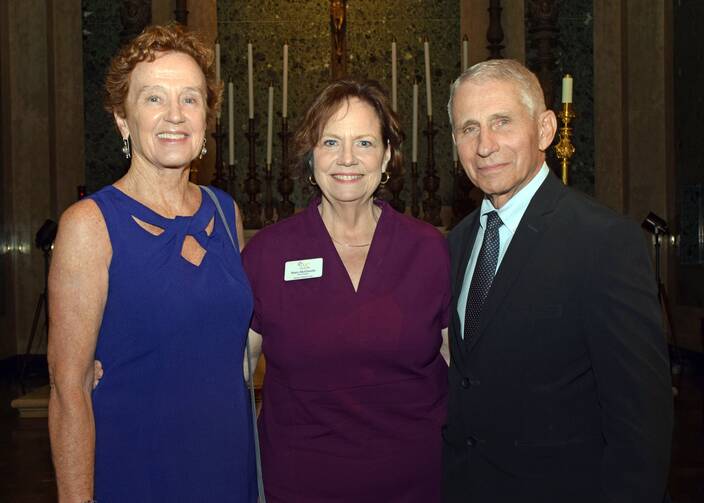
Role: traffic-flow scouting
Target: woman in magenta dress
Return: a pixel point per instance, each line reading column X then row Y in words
column 351, row 310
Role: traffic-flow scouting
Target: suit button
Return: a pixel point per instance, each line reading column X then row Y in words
column 471, row 441
column 465, row 383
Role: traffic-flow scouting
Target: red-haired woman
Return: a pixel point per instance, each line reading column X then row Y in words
column 146, row 279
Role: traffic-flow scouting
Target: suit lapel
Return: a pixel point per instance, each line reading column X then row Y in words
column 522, row 246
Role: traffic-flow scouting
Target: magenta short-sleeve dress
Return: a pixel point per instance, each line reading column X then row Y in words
column 355, row 387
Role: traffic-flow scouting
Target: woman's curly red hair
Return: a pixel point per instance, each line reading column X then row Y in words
column 146, row 47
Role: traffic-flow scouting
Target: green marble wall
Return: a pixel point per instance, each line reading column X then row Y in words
column 104, row 162
column 574, row 55
column 371, row 26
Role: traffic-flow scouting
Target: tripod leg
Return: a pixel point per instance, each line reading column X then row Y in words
column 41, row 303
column 675, row 359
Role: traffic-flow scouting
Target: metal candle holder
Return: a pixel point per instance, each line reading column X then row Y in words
column 564, row 148
column 268, row 196
column 219, row 179
column 252, row 214
column 415, row 205
column 285, row 183
column 395, row 185
column 462, row 205
column 431, row 181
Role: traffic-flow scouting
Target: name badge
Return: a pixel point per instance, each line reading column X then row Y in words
column 303, row 269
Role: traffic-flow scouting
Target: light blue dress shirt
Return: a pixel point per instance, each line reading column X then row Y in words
column 511, row 214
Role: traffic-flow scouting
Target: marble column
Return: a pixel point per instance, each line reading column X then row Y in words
column 42, row 146
column 474, row 21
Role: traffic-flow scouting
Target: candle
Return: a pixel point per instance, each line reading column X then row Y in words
column 394, row 89
column 567, row 89
column 465, row 53
column 231, row 122
column 452, row 138
column 270, row 127
column 250, row 79
column 284, row 98
column 414, row 152
column 428, row 95
column 217, row 62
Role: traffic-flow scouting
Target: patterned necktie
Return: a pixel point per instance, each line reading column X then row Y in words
column 483, row 276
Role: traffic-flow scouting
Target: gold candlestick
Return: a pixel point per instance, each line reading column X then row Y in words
column 564, row 148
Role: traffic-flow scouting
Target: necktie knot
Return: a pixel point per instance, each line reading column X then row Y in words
column 493, row 221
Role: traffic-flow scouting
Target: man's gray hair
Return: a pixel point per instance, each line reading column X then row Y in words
column 505, row 70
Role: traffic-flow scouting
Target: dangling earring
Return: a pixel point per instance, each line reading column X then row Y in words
column 203, row 150
column 311, row 180
column 384, row 181
column 126, row 151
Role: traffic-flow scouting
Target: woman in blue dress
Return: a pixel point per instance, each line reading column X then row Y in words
column 146, row 279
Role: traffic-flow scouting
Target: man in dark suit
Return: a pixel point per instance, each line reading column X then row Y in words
column 559, row 378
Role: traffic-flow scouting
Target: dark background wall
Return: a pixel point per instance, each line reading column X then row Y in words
column 102, row 25
column 371, row 26
column 574, row 55
column 689, row 155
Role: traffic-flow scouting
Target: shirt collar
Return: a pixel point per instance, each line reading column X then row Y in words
column 512, row 212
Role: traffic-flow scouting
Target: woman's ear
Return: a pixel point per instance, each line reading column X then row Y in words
column 121, row 123
column 387, row 157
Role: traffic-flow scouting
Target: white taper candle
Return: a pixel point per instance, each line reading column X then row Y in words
column 428, row 92
column 567, row 89
column 465, row 53
column 394, row 77
column 250, row 80
column 270, row 126
column 284, row 97
column 231, row 123
column 414, row 151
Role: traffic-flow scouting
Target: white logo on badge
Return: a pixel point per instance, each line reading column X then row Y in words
column 303, row 269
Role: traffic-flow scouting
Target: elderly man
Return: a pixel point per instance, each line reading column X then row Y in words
column 559, row 379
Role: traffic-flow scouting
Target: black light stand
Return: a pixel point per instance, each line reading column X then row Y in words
column 44, row 240
column 658, row 227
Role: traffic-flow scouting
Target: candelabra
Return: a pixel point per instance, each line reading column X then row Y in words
column 431, row 181
column 564, row 148
column 285, row 183
column 219, row 179
column 268, row 196
column 415, row 205
column 231, row 180
column 252, row 185
column 395, row 186
column 461, row 202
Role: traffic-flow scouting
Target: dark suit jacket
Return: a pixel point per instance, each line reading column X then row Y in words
column 565, row 394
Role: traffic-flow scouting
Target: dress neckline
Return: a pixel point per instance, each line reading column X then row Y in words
column 378, row 241
column 145, row 213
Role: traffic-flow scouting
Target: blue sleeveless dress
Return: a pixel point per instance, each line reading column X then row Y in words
column 172, row 416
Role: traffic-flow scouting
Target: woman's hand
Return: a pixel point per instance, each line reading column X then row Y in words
column 97, row 373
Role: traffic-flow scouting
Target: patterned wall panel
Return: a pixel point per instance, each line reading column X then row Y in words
column 371, row 25
column 102, row 26
column 688, row 120
column 574, row 55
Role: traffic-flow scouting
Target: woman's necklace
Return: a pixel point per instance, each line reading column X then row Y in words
column 348, row 245
column 375, row 216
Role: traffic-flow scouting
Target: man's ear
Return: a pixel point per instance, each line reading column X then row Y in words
column 121, row 124
column 547, row 127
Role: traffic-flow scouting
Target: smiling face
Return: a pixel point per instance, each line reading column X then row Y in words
column 500, row 143
column 350, row 155
column 165, row 111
